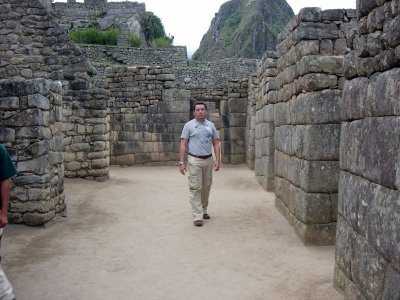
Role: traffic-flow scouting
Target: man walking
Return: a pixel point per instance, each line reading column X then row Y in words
column 199, row 135
column 7, row 170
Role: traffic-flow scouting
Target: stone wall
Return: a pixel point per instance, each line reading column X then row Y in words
column 215, row 73
column 122, row 10
column 147, row 115
column 33, row 46
column 253, row 92
column 265, row 122
column 30, row 128
column 368, row 234
column 307, row 121
column 166, row 57
column 233, row 122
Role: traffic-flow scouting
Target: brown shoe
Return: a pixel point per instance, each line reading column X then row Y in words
column 198, row 223
column 206, row 216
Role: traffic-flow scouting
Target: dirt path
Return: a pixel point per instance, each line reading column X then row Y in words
column 132, row 237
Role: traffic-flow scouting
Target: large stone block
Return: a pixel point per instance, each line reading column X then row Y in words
column 320, row 64
column 374, row 142
column 317, row 81
column 383, row 91
column 353, row 104
column 392, row 284
column 310, row 142
column 317, row 107
column 316, row 234
column 368, row 269
column 316, row 31
column 309, row 208
column 311, row 176
column 237, row 105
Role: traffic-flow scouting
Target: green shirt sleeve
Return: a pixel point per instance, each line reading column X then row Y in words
column 7, row 167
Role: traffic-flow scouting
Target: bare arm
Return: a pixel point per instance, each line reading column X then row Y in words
column 217, row 151
column 182, row 152
column 5, row 196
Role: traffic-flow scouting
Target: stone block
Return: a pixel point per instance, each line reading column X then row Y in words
column 29, row 117
column 374, row 142
column 33, row 218
column 345, row 239
column 368, row 269
column 316, row 31
column 353, row 104
column 310, row 14
column 311, row 176
column 7, row 135
column 392, row 284
column 309, row 208
column 237, row 133
column 316, row 234
column 382, row 97
column 320, row 64
column 317, row 81
column 37, row 166
column 128, row 160
column 237, row 105
column 237, row 119
column 310, row 142
column 9, row 103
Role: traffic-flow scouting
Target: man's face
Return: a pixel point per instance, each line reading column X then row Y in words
column 200, row 112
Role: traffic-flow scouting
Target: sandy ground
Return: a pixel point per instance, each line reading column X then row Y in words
column 132, row 237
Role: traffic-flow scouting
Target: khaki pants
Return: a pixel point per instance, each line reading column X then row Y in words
column 6, row 291
column 200, row 180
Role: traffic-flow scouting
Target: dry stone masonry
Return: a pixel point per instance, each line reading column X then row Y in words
column 368, row 235
column 30, row 127
column 318, row 120
column 307, row 120
column 147, row 115
column 265, row 122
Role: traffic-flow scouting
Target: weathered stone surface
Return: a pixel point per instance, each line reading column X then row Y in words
column 309, row 208
column 311, row 176
column 310, row 142
column 392, row 284
column 374, row 142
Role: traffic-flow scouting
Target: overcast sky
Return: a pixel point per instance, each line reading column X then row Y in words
column 189, row 20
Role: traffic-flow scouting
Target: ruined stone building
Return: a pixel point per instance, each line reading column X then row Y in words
column 318, row 120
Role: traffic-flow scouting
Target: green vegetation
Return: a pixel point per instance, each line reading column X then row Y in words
column 135, row 40
column 95, row 36
column 162, row 42
column 153, row 31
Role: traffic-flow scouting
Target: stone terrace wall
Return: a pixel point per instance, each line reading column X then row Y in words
column 30, row 127
column 265, row 122
column 74, row 11
column 368, row 234
column 216, row 73
column 147, row 115
column 307, row 121
column 166, row 57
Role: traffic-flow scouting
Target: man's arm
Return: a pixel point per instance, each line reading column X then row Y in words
column 182, row 152
column 217, row 151
column 5, row 196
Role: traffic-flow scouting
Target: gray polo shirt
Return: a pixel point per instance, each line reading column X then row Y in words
column 200, row 136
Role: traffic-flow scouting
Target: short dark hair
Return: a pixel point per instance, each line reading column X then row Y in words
column 199, row 103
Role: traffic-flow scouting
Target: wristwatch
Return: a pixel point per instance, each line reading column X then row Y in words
column 181, row 162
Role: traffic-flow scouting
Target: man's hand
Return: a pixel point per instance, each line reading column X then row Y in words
column 217, row 166
column 182, row 168
column 3, row 220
